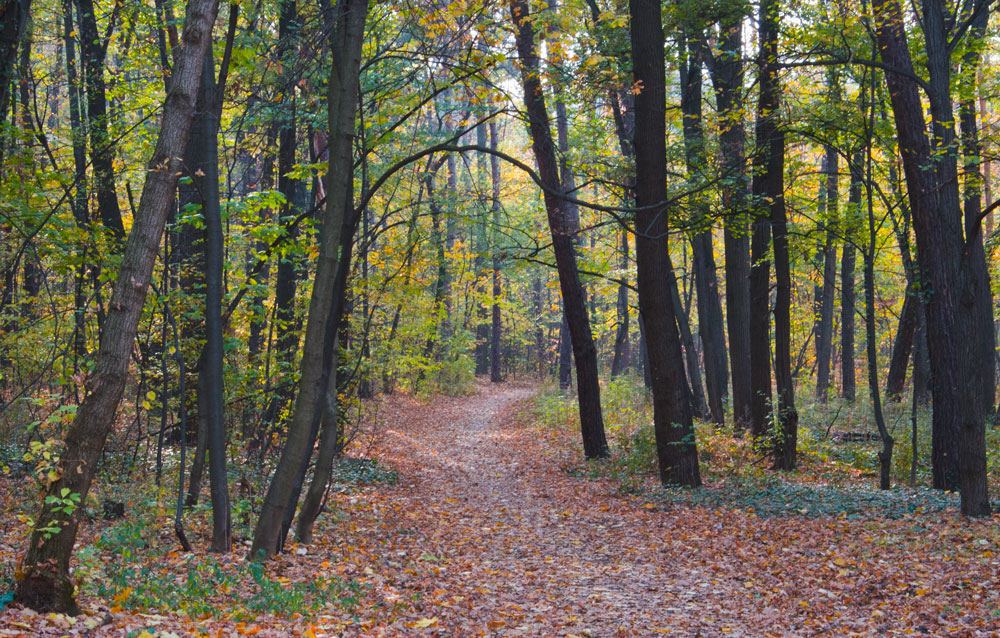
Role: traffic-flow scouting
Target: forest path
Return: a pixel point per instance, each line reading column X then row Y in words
column 502, row 542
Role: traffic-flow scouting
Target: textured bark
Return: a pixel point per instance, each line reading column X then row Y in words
column 677, row 453
column 495, row 373
column 726, row 70
column 710, row 325
column 848, row 260
column 769, row 198
column 102, row 146
column 699, row 405
column 972, row 207
column 13, row 22
column 902, row 344
column 623, row 355
column 46, row 584
column 560, row 225
column 348, row 34
column 943, row 252
column 824, row 321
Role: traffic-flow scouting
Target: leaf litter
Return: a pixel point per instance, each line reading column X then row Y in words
column 485, row 533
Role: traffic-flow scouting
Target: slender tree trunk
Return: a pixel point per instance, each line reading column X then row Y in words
column 46, row 585
column 699, row 405
column 824, row 324
column 622, row 356
column 14, row 16
column 727, row 79
column 347, row 36
column 972, row 208
column 495, row 373
column 677, row 453
column 710, row 326
column 102, row 146
column 560, row 225
column 848, row 260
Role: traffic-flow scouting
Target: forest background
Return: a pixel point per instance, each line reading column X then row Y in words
column 228, row 232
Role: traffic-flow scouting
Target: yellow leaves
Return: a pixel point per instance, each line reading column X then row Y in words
column 423, row 623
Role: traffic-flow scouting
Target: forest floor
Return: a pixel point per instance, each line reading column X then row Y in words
column 490, row 530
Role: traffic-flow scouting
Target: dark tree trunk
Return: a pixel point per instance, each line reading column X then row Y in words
column 769, row 198
column 102, row 146
column 727, row 79
column 622, row 356
column 495, row 373
column 677, row 453
column 848, row 260
column 695, row 392
column 560, row 225
column 943, row 252
column 482, row 248
column 347, row 36
column 710, row 326
column 46, row 585
column 901, row 346
column 13, row 23
column 824, row 321
column 972, row 207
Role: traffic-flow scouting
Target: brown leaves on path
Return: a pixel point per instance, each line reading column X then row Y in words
column 485, row 534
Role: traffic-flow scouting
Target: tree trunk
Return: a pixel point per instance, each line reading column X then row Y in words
column 560, row 224
column 710, row 325
column 824, row 323
column 695, row 392
column 13, row 23
column 495, row 373
column 676, row 451
column 46, row 585
column 726, row 70
column 102, row 146
column 622, row 356
column 347, row 36
column 943, row 252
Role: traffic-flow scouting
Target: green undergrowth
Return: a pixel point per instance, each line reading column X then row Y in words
column 125, row 568
column 837, row 453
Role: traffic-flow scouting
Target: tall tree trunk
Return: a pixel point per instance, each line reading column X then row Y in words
column 102, row 145
column 622, row 356
column 943, row 252
column 677, row 453
column 14, row 16
column 495, row 372
column 46, row 585
column 972, row 208
column 769, row 196
column 848, row 384
column 483, row 326
column 710, row 326
column 347, row 36
column 560, row 224
column 699, row 405
column 824, row 323
column 727, row 79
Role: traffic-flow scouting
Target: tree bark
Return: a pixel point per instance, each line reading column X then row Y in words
column 495, row 372
column 348, row 34
column 943, row 252
column 824, row 323
column 726, row 69
column 102, row 146
column 676, row 451
column 46, row 585
column 710, row 326
column 574, row 299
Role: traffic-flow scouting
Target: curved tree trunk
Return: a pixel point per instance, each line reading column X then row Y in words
column 560, row 225
column 46, row 584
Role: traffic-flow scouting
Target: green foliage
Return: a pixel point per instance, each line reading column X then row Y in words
column 132, row 578
column 777, row 496
column 348, row 472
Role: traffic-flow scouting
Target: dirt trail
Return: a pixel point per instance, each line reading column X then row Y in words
column 521, row 548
